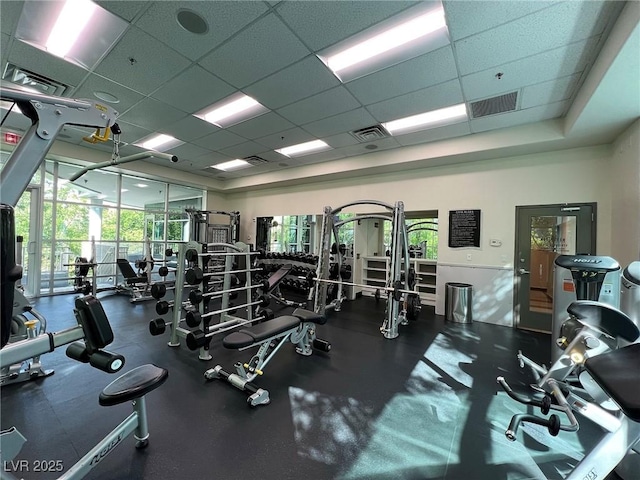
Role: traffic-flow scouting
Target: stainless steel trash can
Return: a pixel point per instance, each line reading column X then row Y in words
column 458, row 301
column 630, row 295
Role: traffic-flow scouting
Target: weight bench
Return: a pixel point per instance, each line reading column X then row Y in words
column 273, row 290
column 133, row 281
column 299, row 328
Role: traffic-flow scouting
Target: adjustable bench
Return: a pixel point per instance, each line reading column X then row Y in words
column 299, row 328
column 134, row 282
column 273, row 289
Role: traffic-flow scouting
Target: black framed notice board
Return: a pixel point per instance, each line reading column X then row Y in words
column 464, row 228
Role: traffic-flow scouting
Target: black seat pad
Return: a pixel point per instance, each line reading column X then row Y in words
column 605, row 318
column 309, row 316
column 262, row 331
column 278, row 276
column 618, row 374
column 133, row 384
column 128, row 273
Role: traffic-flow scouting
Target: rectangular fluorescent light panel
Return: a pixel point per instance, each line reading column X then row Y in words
column 304, row 149
column 412, row 33
column 158, row 142
column 422, row 121
column 78, row 31
column 71, row 22
column 232, row 110
column 236, row 164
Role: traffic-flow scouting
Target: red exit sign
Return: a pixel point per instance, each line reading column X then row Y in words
column 11, row 138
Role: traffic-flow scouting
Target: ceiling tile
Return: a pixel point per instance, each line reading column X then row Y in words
column 44, row 64
column 439, row 96
column 320, row 23
column 559, row 62
column 95, row 83
column 468, row 18
column 9, row 16
column 127, row 10
column 434, row 134
column 510, row 119
column 152, row 114
column 325, row 104
column 287, row 138
column 261, row 126
column 15, row 121
column 258, row 51
column 549, row 92
column 243, row 150
column 421, row 72
column 208, row 159
column 224, row 18
column 188, row 152
column 218, row 140
column 360, row 149
column 189, row 128
column 562, row 24
column 343, row 122
column 319, row 157
column 154, row 64
column 341, row 140
column 193, row 90
column 293, row 83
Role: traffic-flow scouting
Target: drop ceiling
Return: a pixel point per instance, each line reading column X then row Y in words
column 161, row 74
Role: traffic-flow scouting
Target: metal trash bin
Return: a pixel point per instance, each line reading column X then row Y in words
column 630, row 295
column 458, row 301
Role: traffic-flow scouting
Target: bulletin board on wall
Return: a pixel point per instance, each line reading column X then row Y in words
column 464, row 228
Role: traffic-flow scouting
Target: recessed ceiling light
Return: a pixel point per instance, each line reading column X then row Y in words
column 192, row 22
column 303, row 148
column 407, row 35
column 122, row 190
column 140, row 185
column 106, row 97
column 78, row 31
column 232, row 165
column 158, row 142
column 232, row 110
column 435, row 118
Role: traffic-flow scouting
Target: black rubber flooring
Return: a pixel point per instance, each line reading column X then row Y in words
column 422, row 406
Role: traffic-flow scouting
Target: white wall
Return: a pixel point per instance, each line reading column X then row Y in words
column 495, row 187
column 625, row 193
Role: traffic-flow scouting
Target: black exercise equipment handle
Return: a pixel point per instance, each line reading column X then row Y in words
column 552, row 423
column 544, row 404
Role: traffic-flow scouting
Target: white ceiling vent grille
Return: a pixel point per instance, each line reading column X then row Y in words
column 255, row 160
column 369, row 134
column 29, row 80
column 494, row 105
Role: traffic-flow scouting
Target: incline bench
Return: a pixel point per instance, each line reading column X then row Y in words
column 298, row 328
column 134, row 282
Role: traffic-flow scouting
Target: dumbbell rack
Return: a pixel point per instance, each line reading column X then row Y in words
column 296, row 280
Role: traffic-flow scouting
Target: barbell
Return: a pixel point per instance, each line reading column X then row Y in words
column 196, row 296
column 195, row 275
column 396, row 290
column 194, row 319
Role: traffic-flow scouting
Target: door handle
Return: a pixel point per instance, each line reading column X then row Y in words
column 522, row 271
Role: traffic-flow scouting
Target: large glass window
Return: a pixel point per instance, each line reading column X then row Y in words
column 105, row 216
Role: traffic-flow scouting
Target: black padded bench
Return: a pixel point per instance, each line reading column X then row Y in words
column 618, row 374
column 270, row 336
column 128, row 273
column 605, row 318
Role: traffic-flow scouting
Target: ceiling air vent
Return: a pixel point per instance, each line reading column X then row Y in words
column 369, row 134
column 255, row 160
column 494, row 105
column 24, row 78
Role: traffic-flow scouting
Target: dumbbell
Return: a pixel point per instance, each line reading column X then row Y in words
column 198, row 339
column 162, row 307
